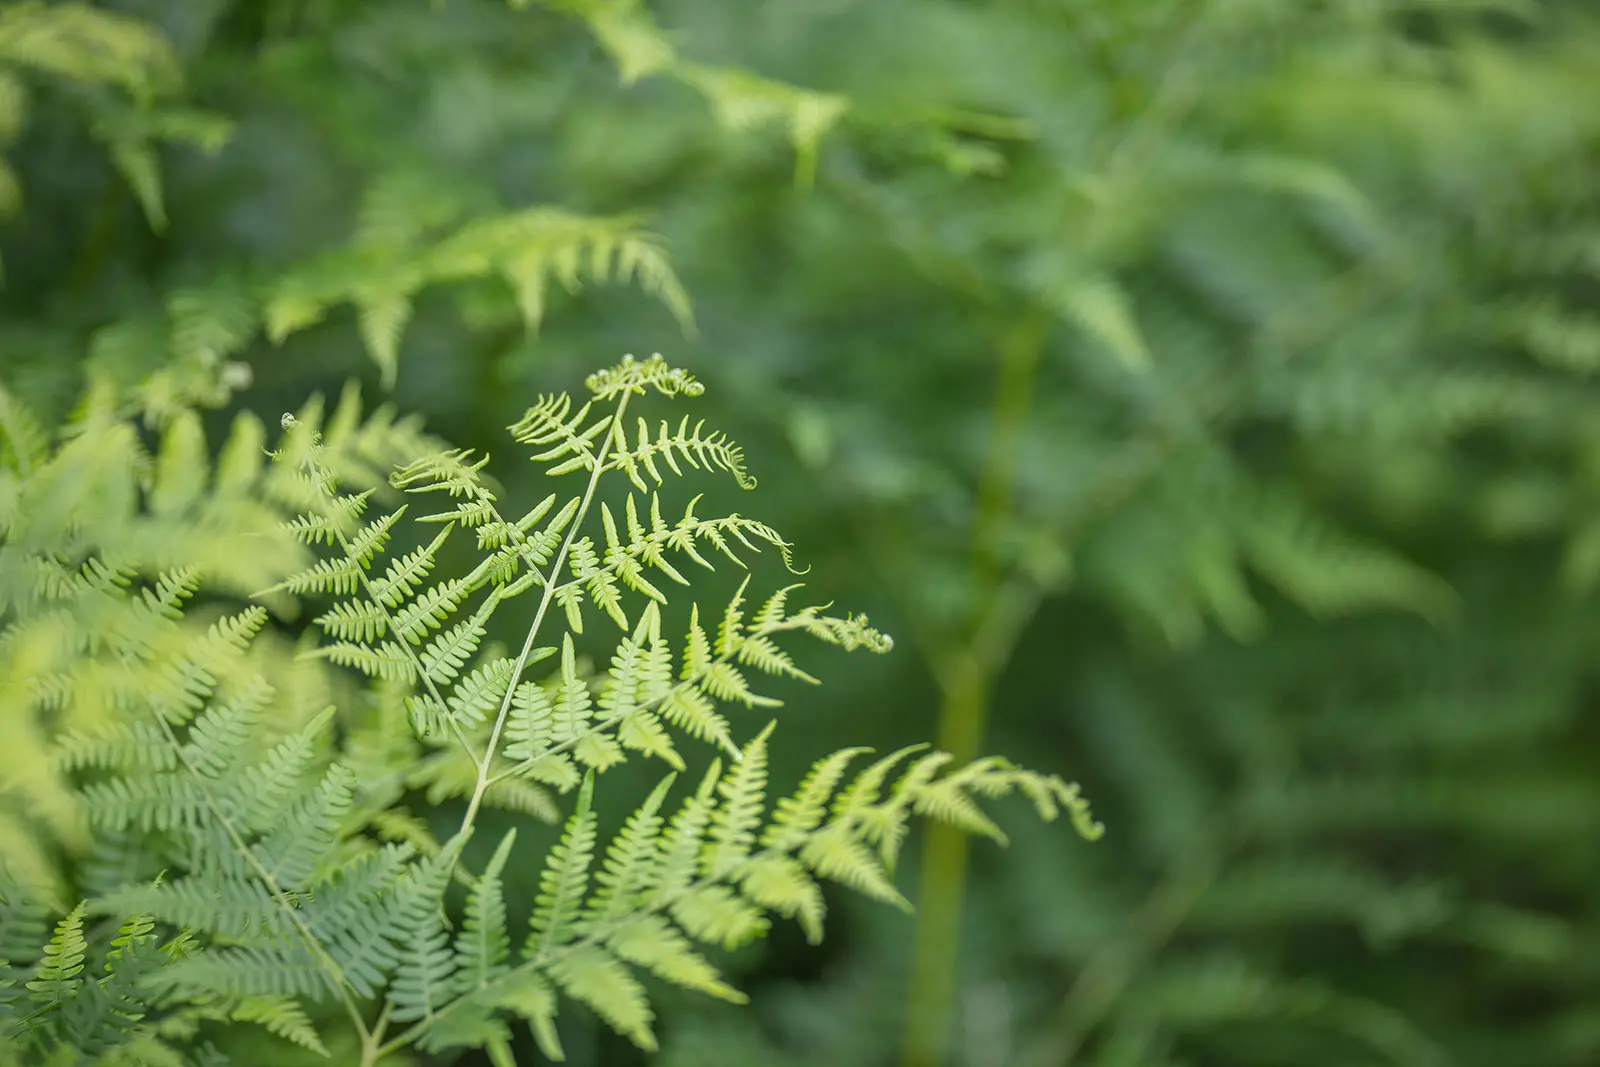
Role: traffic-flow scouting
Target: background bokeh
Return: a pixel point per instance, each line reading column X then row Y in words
column 1203, row 392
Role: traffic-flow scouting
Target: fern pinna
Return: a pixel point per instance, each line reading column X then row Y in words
column 291, row 877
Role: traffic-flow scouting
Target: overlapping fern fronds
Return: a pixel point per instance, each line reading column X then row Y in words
column 413, row 234
column 127, row 73
column 260, row 842
column 102, row 542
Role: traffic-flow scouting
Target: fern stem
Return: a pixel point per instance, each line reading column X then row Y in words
column 372, row 1046
column 964, row 709
column 482, row 784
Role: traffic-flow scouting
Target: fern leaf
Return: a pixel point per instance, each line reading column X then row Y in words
column 635, row 376
column 219, row 736
column 862, row 793
column 244, row 972
column 642, row 731
column 627, row 872
column 531, row 728
column 593, row 977
column 697, row 648
column 338, row 576
column 693, row 712
column 796, row 817
column 731, row 630
column 781, row 884
column 234, row 908
column 429, row 610
column 573, row 708
column 56, row 978
column 373, row 537
column 836, row 853
column 565, row 879
column 283, row 1016
column 133, row 746
column 480, row 692
column 354, row 913
column 445, row 655
column 383, row 319
column 293, row 849
column 681, row 844
column 733, row 824
column 527, row 994
column 357, row 622
column 483, row 945
column 389, row 661
column 716, row 914
column 407, row 572
column 650, row 942
column 425, row 976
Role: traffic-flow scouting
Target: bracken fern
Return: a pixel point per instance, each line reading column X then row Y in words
column 287, row 874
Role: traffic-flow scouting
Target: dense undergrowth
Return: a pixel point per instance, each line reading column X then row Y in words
column 1202, row 394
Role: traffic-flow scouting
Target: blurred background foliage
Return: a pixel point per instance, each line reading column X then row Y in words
column 1203, row 390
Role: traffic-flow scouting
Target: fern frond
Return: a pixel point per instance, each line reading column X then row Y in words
column 425, row 975
column 652, row 943
column 270, row 786
column 120, row 746
column 681, row 844
column 595, row 978
column 235, row 909
column 390, row 662
column 631, row 376
column 701, row 452
column 56, row 978
column 733, row 824
column 341, row 576
column 293, row 849
column 405, row 573
column 354, row 913
column 451, row 773
column 565, row 879
column 796, row 817
column 218, row 736
column 285, row 970
column 443, row 657
column 483, row 945
column 526, row 248
column 629, row 866
column 283, row 1016
column 549, row 425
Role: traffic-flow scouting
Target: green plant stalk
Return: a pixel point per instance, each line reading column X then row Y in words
column 964, row 707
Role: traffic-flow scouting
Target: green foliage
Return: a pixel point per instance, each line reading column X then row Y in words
column 1203, row 393
column 156, row 725
column 125, row 76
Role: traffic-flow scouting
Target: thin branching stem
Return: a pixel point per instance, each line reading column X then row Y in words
column 482, row 785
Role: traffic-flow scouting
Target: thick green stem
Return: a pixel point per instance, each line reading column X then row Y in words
column 963, row 712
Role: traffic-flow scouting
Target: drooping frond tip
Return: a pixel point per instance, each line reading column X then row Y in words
column 632, row 376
